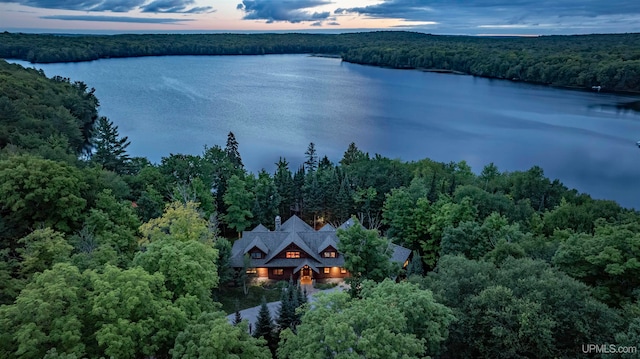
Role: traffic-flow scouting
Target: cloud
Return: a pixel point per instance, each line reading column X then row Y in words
column 530, row 13
column 174, row 6
column 293, row 11
column 140, row 20
column 156, row 6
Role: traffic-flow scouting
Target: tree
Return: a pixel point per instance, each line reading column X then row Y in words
column 415, row 265
column 110, row 150
column 283, row 181
column 48, row 313
column 134, row 314
column 366, row 254
column 311, row 162
column 264, row 326
column 211, row 336
column 377, row 326
column 237, row 318
column 42, row 249
column 267, row 199
column 180, row 222
column 188, row 268
column 238, row 200
column 231, row 150
column 353, row 155
column 34, row 190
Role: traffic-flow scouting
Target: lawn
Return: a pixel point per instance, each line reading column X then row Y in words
column 229, row 295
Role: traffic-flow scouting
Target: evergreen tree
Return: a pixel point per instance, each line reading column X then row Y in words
column 267, row 199
column 284, row 185
column 110, row 148
column 238, row 317
column 298, row 191
column 311, row 162
column 231, row 150
column 353, row 155
column 265, row 328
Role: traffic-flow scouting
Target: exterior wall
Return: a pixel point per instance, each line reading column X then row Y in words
column 334, row 272
column 286, row 274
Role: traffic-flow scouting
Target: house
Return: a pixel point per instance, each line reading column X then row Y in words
column 296, row 250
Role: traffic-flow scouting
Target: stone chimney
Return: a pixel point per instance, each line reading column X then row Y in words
column 278, row 223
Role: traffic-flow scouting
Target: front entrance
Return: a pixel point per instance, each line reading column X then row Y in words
column 305, row 275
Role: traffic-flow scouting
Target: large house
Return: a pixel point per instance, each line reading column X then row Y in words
column 296, row 250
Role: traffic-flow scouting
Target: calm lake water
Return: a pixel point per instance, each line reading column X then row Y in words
column 277, row 104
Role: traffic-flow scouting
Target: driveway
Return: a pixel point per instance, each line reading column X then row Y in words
column 251, row 314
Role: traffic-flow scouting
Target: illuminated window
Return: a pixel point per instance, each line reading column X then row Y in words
column 278, row 271
column 329, row 254
column 256, row 255
column 252, row 271
column 343, row 270
column 327, row 270
column 293, row 254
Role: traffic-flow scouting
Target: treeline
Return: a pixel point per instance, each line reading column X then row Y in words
column 611, row 61
column 105, row 255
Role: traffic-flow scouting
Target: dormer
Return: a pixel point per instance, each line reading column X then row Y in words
column 257, row 249
column 327, row 249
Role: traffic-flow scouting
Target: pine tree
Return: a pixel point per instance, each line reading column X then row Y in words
column 110, row 150
column 311, row 163
column 264, row 324
column 284, row 184
column 231, row 150
column 287, row 312
column 238, row 317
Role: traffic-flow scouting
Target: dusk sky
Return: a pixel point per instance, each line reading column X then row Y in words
column 525, row 17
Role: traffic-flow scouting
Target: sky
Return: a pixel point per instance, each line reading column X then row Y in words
column 460, row 17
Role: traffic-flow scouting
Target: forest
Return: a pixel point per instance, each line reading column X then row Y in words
column 108, row 255
column 611, row 61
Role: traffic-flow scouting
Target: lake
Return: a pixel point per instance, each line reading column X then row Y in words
column 277, row 104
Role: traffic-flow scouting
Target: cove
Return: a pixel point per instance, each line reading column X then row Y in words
column 277, row 104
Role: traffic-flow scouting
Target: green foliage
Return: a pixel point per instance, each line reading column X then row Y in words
column 239, row 203
column 133, row 313
column 267, row 199
column 380, row 325
column 519, row 309
column 264, row 324
column 231, row 150
column 180, row 222
column 366, row 254
column 35, row 190
column 48, row 313
column 188, row 268
column 606, row 260
column 211, row 336
column 52, row 118
column 42, row 249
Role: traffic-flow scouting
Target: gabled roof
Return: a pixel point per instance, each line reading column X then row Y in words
column 348, row 223
column 327, row 228
column 399, row 254
column 329, row 241
column 293, row 238
column 257, row 243
column 260, row 228
column 306, row 263
column 295, row 224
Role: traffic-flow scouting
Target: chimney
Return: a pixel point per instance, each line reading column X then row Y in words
column 278, row 223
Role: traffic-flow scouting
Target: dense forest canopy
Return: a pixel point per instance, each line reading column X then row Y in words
column 611, row 61
column 105, row 255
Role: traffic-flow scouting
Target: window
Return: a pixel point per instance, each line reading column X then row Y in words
column 327, row 270
column 343, row 270
column 256, row 255
column 278, row 271
column 252, row 271
column 329, row 254
column 293, row 254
